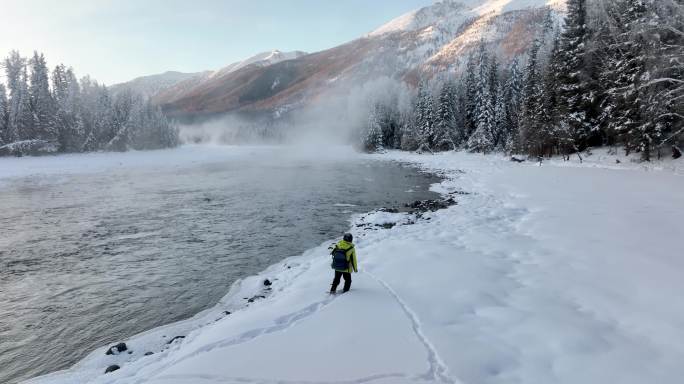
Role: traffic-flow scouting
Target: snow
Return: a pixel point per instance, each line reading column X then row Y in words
column 615, row 159
column 27, row 147
column 264, row 59
column 541, row 274
column 502, row 6
column 399, row 24
column 151, row 85
column 436, row 38
column 448, row 15
column 455, row 12
column 382, row 218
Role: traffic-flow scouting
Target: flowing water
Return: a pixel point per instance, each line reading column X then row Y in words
column 90, row 258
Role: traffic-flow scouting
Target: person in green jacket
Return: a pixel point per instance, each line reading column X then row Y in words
column 344, row 261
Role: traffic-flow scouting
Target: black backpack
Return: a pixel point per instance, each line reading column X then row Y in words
column 339, row 258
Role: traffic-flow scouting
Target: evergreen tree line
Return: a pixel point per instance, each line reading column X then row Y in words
column 612, row 75
column 43, row 111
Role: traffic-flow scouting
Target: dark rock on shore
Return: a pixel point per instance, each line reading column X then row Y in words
column 116, row 349
column 267, row 282
column 386, row 225
column 175, row 338
column 462, row 193
column 431, row 205
column 254, row 298
column 112, row 368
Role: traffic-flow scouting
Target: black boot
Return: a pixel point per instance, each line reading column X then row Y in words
column 347, row 281
column 336, row 282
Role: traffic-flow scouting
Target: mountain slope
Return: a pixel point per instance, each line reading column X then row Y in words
column 210, row 79
column 417, row 45
column 151, row 85
column 261, row 59
column 172, row 82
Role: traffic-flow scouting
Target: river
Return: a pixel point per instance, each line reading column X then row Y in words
column 98, row 247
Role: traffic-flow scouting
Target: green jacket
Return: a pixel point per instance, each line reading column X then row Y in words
column 351, row 255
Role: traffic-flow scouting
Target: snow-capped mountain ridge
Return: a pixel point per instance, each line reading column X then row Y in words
column 260, row 60
column 418, row 45
column 263, row 59
column 440, row 12
column 450, row 12
column 151, row 85
column 178, row 82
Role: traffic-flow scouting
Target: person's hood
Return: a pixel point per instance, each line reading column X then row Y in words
column 344, row 244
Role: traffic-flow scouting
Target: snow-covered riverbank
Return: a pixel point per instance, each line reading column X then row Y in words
column 539, row 275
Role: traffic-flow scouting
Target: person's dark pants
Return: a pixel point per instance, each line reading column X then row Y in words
column 336, row 281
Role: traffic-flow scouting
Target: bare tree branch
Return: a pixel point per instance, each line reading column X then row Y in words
column 671, row 115
column 671, row 137
column 662, row 80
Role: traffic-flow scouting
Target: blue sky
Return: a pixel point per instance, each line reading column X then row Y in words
column 116, row 40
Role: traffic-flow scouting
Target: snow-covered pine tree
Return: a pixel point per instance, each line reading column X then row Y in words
column 512, row 101
column 459, row 135
column 372, row 137
column 67, row 95
column 445, row 135
column 4, row 126
column 427, row 128
column 13, row 64
column 167, row 131
column 124, row 107
column 59, row 94
column 604, row 24
column 41, row 101
column 500, row 119
column 482, row 140
column 387, row 116
column 408, row 139
column 531, row 135
column 139, row 120
column 79, row 116
column 557, row 138
column 19, row 113
column 468, row 101
column 575, row 93
column 663, row 83
column 25, row 118
column 493, row 78
column 621, row 71
column 89, row 94
column 494, row 88
column 399, row 119
column 74, row 101
column 103, row 117
column 425, row 118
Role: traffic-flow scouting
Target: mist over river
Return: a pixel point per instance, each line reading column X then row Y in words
column 98, row 247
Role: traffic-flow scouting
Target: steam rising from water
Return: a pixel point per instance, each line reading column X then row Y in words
column 333, row 118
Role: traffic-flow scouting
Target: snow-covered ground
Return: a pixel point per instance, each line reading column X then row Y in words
column 551, row 274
